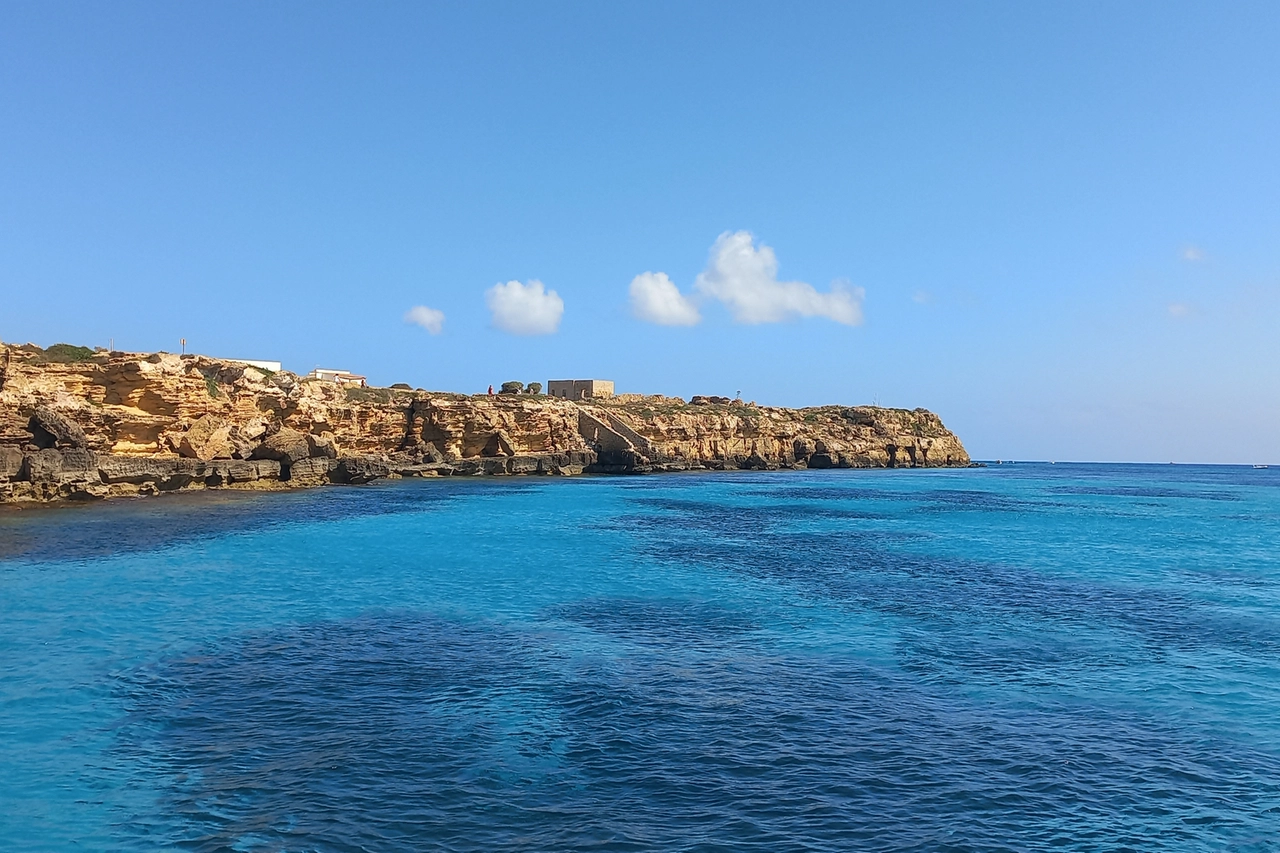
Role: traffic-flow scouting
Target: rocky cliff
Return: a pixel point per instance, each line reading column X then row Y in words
column 80, row 424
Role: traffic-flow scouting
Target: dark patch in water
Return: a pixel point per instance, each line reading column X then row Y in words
column 661, row 623
column 859, row 569
column 807, row 492
column 727, row 517
column 402, row 731
column 1115, row 491
column 85, row 532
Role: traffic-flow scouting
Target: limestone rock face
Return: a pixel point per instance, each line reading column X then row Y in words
column 361, row 470
column 315, row 471
column 43, row 466
column 287, row 445
column 744, row 435
column 323, row 445
column 208, row 438
column 127, row 424
column 11, row 461
column 48, row 428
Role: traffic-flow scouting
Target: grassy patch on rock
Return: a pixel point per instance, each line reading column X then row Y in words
column 63, row 354
column 358, row 394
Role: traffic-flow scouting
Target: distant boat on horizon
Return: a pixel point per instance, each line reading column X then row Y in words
column 1261, row 466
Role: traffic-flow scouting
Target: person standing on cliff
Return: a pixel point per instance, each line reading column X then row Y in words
column 490, row 390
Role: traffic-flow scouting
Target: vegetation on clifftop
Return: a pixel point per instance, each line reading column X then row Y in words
column 56, row 354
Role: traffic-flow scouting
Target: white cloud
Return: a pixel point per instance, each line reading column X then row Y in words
column 1179, row 309
column 524, row 309
column 428, row 318
column 745, row 279
column 1192, row 254
column 655, row 298
column 922, row 297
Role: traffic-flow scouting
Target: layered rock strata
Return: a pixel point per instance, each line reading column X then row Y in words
column 130, row 424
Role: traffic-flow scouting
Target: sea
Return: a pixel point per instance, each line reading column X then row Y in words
column 1018, row 657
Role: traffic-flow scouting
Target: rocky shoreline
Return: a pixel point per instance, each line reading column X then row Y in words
column 82, row 425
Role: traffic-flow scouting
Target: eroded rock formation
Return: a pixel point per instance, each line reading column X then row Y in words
column 127, row 424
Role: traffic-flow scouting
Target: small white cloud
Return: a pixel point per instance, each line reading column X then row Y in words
column 524, row 309
column 1192, row 254
column 428, row 318
column 656, row 299
column 921, row 297
column 745, row 279
column 1179, row 309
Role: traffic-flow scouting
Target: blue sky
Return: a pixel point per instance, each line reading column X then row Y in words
column 1059, row 224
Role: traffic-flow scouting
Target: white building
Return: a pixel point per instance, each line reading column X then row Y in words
column 342, row 377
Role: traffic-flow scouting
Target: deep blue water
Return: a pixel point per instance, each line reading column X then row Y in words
column 1026, row 657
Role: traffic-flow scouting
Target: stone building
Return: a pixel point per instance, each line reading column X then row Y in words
column 579, row 389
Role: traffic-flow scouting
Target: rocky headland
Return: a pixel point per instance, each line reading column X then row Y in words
column 78, row 424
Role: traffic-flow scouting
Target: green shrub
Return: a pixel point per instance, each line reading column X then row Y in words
column 359, row 394
column 64, row 354
column 211, row 385
column 533, row 388
column 511, row 388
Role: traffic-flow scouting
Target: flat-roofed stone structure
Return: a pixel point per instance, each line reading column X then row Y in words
column 580, row 389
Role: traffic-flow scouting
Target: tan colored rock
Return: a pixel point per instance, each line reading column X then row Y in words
column 10, row 463
column 312, row 472
column 323, row 445
column 193, row 410
column 50, row 428
column 208, row 438
column 287, row 445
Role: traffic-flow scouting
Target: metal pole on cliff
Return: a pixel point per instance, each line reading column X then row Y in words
column 184, row 346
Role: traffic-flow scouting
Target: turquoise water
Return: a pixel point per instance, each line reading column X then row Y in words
column 1024, row 657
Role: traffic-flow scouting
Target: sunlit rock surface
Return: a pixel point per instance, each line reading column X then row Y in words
column 78, row 424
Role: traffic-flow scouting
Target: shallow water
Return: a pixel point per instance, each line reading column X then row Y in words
column 1023, row 657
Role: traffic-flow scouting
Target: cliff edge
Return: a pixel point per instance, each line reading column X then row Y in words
column 78, row 424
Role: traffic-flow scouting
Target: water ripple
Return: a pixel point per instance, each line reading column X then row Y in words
column 1027, row 658
column 409, row 732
